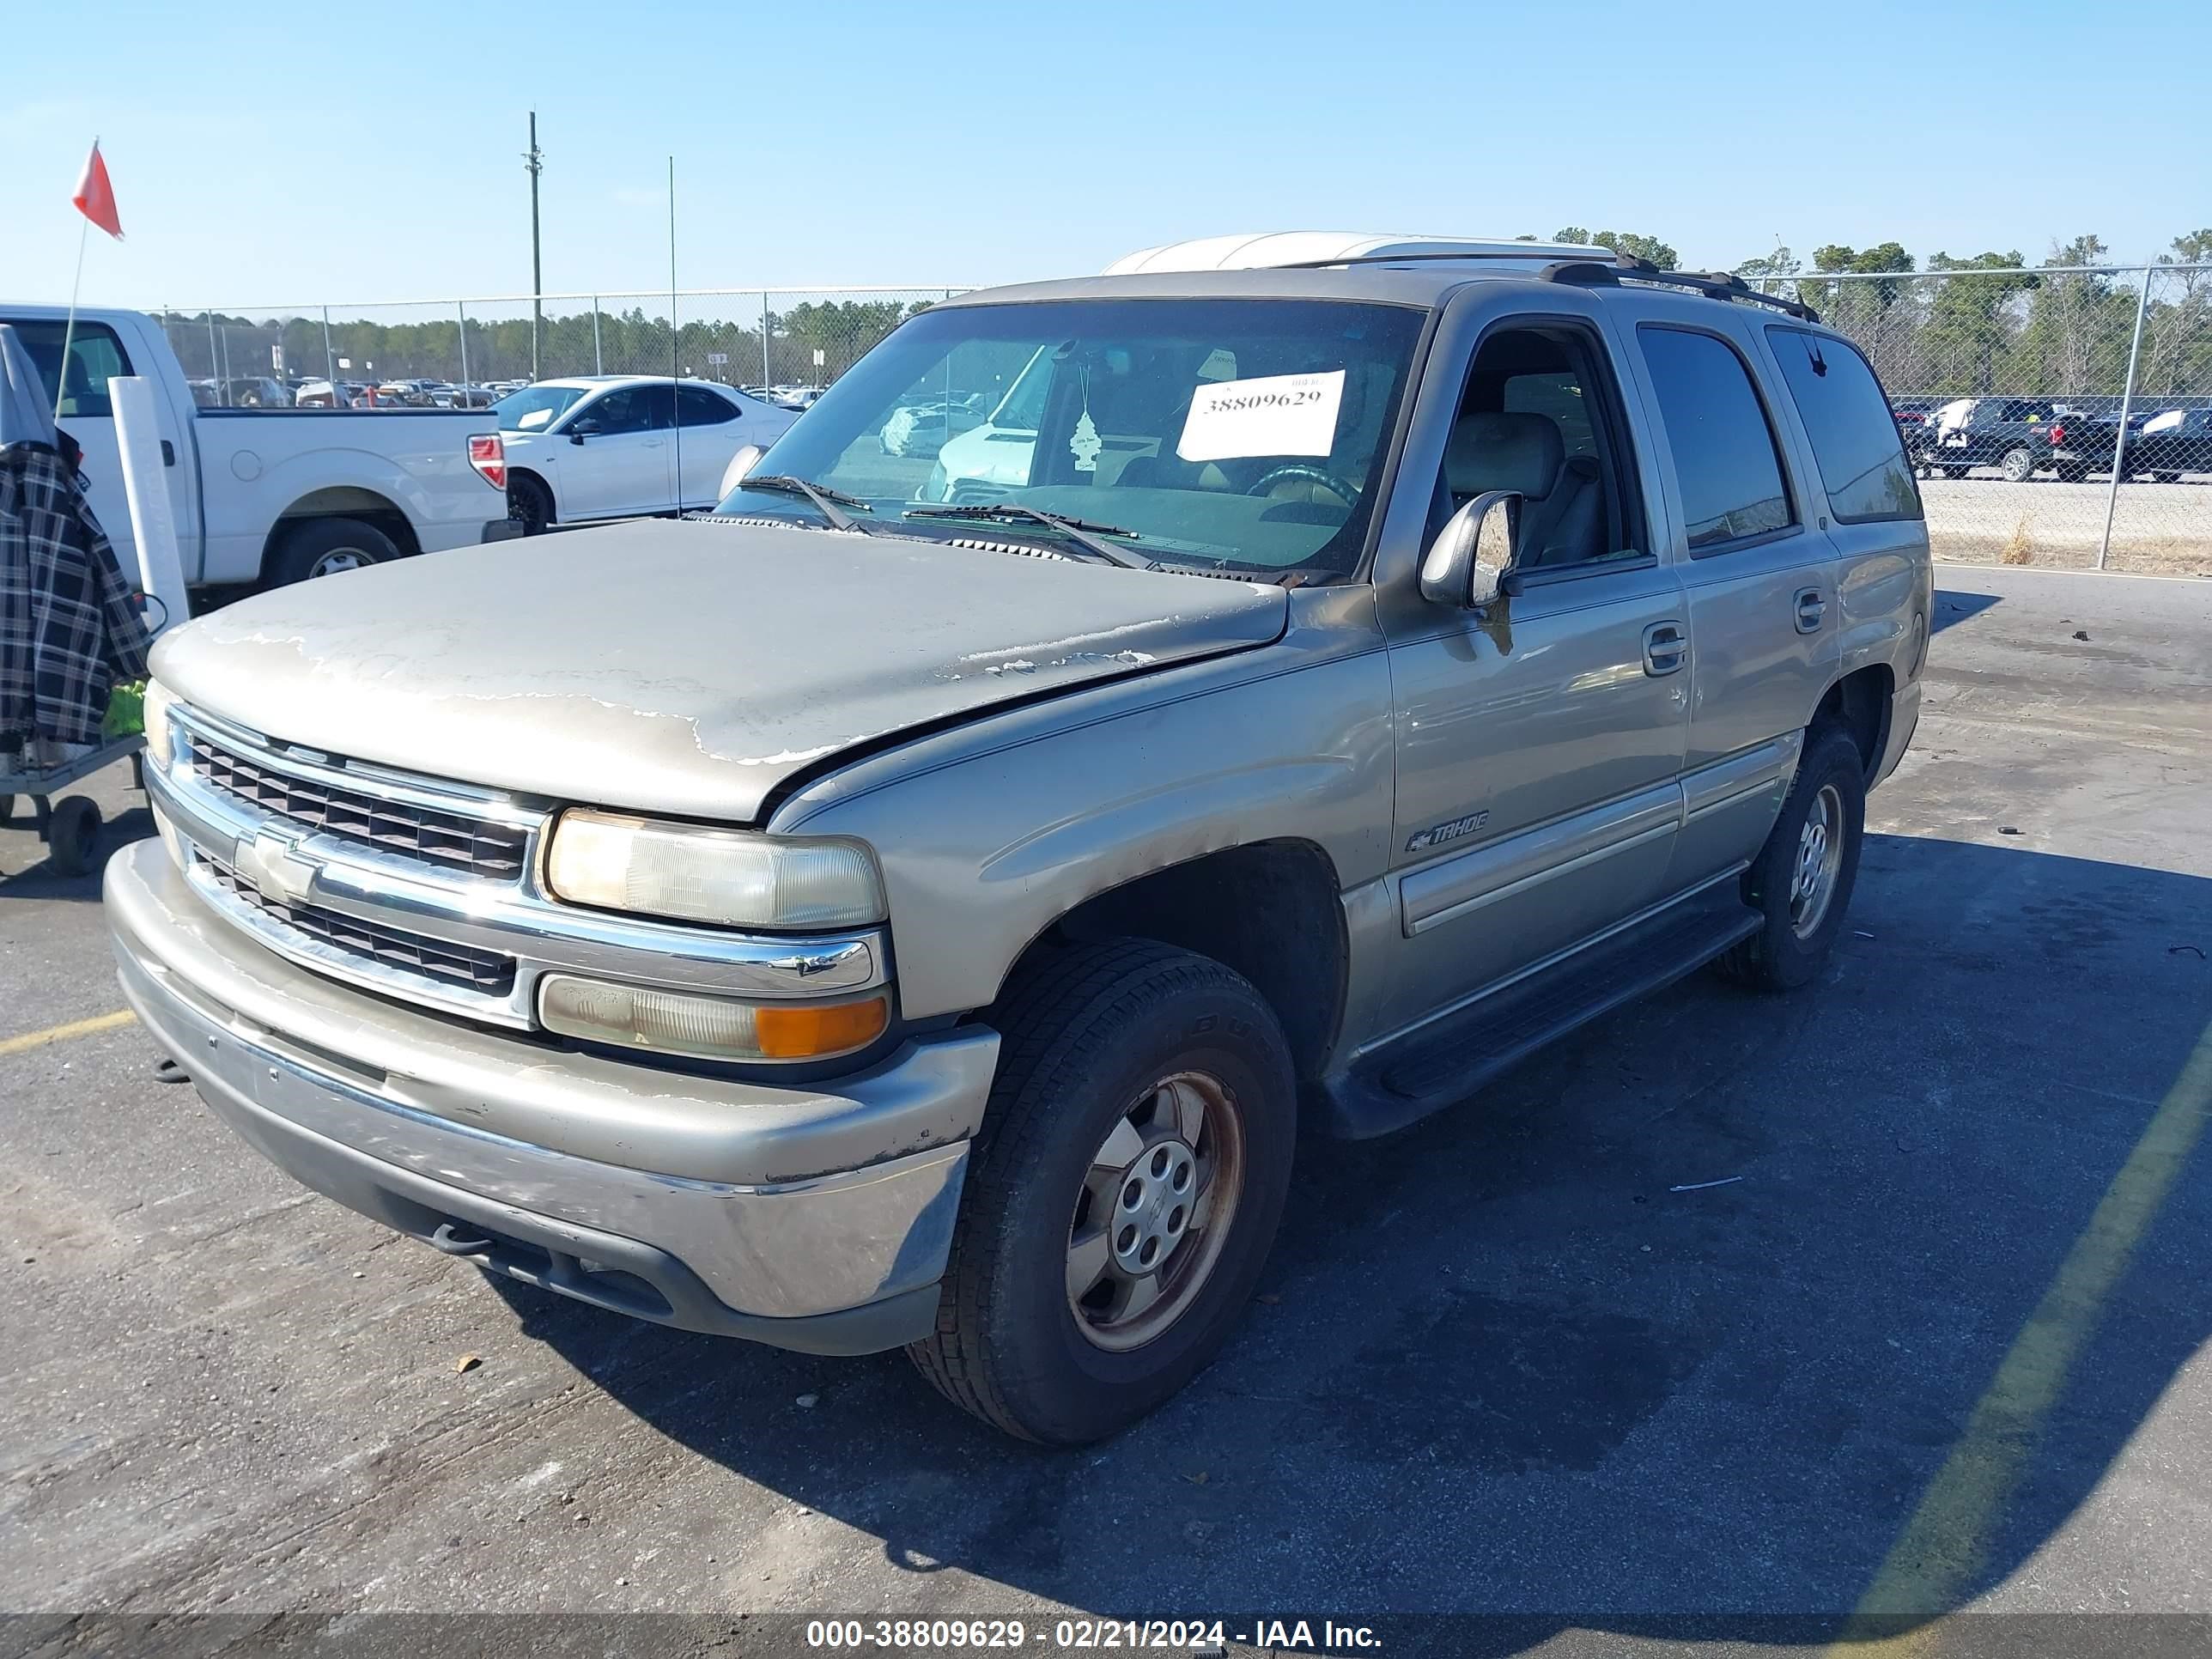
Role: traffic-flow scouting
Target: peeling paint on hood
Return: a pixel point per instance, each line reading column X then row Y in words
column 675, row 666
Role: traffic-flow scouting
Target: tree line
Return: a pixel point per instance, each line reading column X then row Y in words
column 811, row 343
column 1931, row 326
column 2049, row 330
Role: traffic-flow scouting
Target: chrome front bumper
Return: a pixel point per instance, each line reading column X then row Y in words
column 812, row 1217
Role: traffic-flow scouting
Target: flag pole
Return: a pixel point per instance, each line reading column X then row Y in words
column 68, row 329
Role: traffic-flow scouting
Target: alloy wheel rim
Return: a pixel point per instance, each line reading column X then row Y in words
column 1819, row 858
column 1156, row 1208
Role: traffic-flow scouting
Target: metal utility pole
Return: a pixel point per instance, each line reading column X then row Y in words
column 533, row 159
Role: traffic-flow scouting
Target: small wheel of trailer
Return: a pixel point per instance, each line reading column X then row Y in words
column 72, row 836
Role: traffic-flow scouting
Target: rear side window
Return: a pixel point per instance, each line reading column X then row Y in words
column 1854, row 441
column 697, row 408
column 1725, row 460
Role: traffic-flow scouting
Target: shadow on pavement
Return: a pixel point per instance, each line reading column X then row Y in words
column 1503, row 1363
column 1953, row 607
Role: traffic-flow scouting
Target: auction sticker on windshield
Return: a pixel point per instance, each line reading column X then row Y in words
column 1274, row 415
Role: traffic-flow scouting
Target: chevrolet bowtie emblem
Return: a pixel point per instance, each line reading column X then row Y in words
column 270, row 863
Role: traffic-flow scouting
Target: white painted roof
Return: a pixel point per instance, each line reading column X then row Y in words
column 1296, row 248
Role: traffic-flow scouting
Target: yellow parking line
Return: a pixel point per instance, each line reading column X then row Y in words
column 1941, row 1551
column 76, row 1028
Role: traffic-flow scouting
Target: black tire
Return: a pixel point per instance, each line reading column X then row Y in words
column 529, row 503
column 1086, row 1033
column 72, row 836
column 2074, row 472
column 1935, row 472
column 325, row 547
column 6, row 808
column 2017, row 465
column 2167, row 477
column 1778, row 956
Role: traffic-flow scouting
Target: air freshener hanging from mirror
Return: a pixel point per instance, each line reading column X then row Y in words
column 1085, row 443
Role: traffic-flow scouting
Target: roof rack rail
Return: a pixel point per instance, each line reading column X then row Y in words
column 1713, row 284
column 1594, row 273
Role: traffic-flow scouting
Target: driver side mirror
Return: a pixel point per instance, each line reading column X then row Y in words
column 1468, row 564
column 743, row 461
column 587, row 428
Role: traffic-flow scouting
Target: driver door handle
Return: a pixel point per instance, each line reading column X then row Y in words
column 1665, row 648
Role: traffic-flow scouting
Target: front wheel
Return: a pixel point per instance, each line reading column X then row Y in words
column 1801, row 883
column 1125, row 1189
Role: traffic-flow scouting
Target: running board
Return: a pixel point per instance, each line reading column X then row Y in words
column 1447, row 1060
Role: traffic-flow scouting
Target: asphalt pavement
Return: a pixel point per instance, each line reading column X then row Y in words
column 1894, row 1292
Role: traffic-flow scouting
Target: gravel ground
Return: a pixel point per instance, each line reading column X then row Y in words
column 2158, row 529
column 1523, row 1359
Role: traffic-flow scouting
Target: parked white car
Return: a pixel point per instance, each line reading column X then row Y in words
column 608, row 447
column 267, row 495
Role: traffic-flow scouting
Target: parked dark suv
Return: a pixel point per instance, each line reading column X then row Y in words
column 2020, row 437
column 2171, row 443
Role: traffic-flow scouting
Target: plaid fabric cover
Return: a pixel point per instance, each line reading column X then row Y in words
column 69, row 624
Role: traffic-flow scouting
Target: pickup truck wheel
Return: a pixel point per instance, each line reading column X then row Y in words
column 328, row 547
column 1801, row 883
column 2018, row 466
column 1123, row 1194
column 529, row 503
column 2073, row 473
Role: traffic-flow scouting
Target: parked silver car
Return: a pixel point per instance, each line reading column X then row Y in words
column 864, row 918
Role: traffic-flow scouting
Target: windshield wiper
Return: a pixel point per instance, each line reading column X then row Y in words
column 1084, row 533
column 826, row 500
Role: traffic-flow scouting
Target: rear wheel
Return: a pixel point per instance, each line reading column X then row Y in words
column 1124, row 1192
column 328, row 547
column 1801, row 883
column 2074, row 472
column 2018, row 466
column 2167, row 477
column 529, row 503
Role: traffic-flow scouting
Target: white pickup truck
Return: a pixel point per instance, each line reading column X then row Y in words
column 269, row 495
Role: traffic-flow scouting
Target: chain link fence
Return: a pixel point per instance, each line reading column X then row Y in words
column 2058, row 414
column 465, row 353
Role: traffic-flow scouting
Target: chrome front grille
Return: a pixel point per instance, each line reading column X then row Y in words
column 453, row 840
column 440, row 960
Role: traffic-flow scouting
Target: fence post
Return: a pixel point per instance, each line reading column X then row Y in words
column 767, row 379
column 211, row 323
column 461, row 309
column 329, row 360
column 2120, row 438
column 597, row 367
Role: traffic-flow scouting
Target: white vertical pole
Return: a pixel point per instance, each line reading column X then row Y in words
column 598, row 366
column 767, row 379
column 461, row 309
column 2120, row 438
column 146, row 489
column 68, row 329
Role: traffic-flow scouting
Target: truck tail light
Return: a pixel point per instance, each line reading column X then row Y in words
column 488, row 454
column 2058, row 433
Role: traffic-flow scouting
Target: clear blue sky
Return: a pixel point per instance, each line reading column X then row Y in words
column 350, row 151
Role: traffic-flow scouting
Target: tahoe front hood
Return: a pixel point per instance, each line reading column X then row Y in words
column 677, row 665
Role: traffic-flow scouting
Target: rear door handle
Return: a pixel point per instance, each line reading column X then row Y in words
column 1811, row 608
column 1665, row 648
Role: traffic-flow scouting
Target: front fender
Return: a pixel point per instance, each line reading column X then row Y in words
column 988, row 834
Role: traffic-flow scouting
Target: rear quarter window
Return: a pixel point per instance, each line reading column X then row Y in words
column 1855, row 442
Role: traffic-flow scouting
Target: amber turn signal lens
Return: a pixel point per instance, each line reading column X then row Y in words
column 810, row 1033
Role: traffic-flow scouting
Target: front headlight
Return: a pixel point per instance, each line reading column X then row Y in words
column 731, row 878
column 156, row 712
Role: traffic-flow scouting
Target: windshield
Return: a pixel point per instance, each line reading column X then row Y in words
column 1242, row 433
column 536, row 407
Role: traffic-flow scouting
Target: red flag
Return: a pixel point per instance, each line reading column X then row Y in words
column 95, row 197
